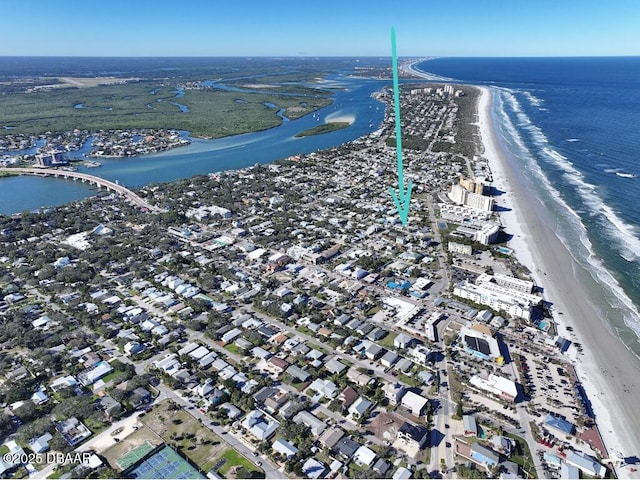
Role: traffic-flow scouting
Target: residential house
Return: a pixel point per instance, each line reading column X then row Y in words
column 232, row 411
column 41, row 444
column 413, row 437
column 276, row 365
column 330, row 437
column 364, row 456
column 312, row 468
column 140, row 397
column 388, row 359
column 73, row 431
column 285, row 448
column 346, row 447
column 316, row 426
column 503, row 445
column 470, row 426
column 298, row 374
column 334, row 366
column 358, row 378
column 393, row 392
column 404, row 365
column 260, row 425
column 483, row 455
column 109, row 406
column 403, row 341
column 414, row 403
column 381, row 466
column 359, row 408
column 347, row 397
column 324, row 388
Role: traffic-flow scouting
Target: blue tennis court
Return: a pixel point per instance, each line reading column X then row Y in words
column 165, row 463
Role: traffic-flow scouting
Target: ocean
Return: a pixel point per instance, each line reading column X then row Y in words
column 572, row 125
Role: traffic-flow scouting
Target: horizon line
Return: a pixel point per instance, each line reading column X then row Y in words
column 431, row 57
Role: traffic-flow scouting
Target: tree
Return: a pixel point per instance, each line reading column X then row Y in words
column 108, row 472
column 58, row 443
column 27, row 411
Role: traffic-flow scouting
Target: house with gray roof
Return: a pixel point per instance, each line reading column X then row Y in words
column 404, row 365
column 389, row 358
column 316, row 425
column 360, row 407
column 334, row 366
column 377, row 334
column 297, row 373
column 346, row 447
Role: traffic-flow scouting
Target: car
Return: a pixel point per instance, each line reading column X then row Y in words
column 259, row 464
column 202, row 410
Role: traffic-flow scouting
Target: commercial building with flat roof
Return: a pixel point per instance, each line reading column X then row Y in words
column 499, row 386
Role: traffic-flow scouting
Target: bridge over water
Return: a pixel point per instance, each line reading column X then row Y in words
column 97, row 181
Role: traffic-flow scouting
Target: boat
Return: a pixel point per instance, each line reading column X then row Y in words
column 92, row 164
column 625, row 175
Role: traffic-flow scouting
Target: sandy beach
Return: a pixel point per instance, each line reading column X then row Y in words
column 609, row 372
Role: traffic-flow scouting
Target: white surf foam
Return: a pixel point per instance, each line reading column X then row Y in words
column 533, row 100
column 618, row 229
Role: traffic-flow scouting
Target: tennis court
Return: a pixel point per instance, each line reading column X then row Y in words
column 133, row 455
column 166, row 463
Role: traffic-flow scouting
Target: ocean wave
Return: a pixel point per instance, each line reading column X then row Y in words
column 623, row 233
column 533, row 100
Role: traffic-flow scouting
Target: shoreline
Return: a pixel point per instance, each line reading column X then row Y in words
column 606, row 371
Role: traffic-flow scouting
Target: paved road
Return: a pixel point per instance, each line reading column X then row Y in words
column 236, row 441
column 99, row 442
column 101, row 182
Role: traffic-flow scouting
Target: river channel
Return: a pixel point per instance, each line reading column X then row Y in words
column 352, row 102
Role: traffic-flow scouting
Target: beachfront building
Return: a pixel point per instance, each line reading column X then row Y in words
column 461, row 195
column 586, row 464
column 500, row 296
column 484, row 233
column 499, row 386
column 507, row 281
column 473, row 186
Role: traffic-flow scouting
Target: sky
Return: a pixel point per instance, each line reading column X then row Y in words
column 462, row 28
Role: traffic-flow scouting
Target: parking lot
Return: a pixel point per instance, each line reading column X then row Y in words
column 551, row 389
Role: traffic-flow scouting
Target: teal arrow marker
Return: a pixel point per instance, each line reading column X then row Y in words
column 403, row 197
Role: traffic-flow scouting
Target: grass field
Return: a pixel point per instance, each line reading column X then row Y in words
column 211, row 113
column 180, row 430
column 234, row 459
